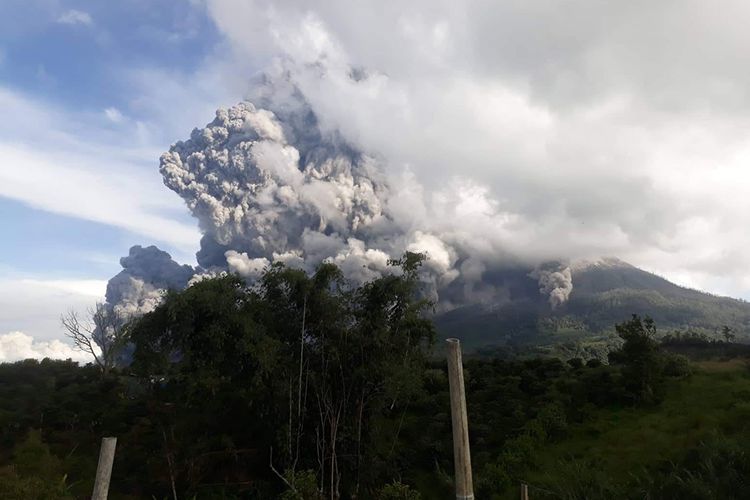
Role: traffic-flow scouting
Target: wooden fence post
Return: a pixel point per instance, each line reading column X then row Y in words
column 461, row 453
column 524, row 491
column 104, row 469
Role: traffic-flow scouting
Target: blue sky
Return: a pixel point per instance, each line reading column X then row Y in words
column 76, row 53
column 91, row 93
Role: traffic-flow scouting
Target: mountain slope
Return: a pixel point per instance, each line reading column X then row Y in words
column 604, row 293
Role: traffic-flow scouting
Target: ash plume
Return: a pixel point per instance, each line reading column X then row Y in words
column 555, row 281
column 146, row 273
column 269, row 183
column 270, row 190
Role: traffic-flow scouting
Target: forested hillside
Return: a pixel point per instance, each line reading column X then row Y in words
column 303, row 387
column 603, row 293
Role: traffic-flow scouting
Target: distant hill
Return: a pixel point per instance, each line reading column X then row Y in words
column 605, row 292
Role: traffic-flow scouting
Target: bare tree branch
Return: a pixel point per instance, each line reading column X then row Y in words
column 102, row 334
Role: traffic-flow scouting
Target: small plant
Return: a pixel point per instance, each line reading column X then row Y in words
column 397, row 491
column 305, row 485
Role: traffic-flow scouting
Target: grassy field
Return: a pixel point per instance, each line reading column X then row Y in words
column 622, row 443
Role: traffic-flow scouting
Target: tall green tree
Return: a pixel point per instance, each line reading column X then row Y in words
column 295, row 373
column 641, row 358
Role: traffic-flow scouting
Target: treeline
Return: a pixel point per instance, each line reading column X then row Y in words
column 303, row 387
column 702, row 311
column 698, row 345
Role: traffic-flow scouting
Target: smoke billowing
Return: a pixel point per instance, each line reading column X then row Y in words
column 146, row 273
column 272, row 186
column 268, row 183
column 555, row 282
column 264, row 190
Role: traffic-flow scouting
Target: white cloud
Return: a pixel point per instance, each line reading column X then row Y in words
column 595, row 129
column 80, row 187
column 74, row 16
column 113, row 114
column 88, row 288
column 34, row 304
column 90, row 175
column 16, row 346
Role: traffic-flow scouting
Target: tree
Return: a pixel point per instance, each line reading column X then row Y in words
column 643, row 362
column 728, row 334
column 34, row 474
column 102, row 334
column 299, row 372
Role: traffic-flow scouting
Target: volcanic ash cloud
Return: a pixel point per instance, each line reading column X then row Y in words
column 146, row 273
column 270, row 184
column 266, row 190
column 555, row 283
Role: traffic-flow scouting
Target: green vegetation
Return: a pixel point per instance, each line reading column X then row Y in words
column 584, row 326
column 693, row 445
column 303, row 387
column 34, row 473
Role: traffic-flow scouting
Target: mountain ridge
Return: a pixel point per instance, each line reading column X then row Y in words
column 605, row 292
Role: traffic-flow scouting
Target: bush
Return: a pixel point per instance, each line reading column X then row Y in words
column 305, row 486
column 593, row 363
column 677, row 365
column 397, row 491
column 717, row 468
column 553, row 421
column 34, row 474
column 13, row 486
column 575, row 363
column 580, row 480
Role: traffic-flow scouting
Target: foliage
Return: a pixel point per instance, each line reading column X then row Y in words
column 397, row 491
column 643, row 362
column 714, row 468
column 305, row 387
column 34, row 473
column 302, row 372
column 303, row 486
column 677, row 365
column 693, row 442
column 581, row 327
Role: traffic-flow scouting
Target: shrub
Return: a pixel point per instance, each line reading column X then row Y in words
column 397, row 491
column 677, row 365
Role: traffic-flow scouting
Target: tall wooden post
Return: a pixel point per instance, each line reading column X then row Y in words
column 461, row 453
column 524, row 491
column 104, row 469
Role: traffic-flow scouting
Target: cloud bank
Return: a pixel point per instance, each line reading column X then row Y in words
column 17, row 346
column 83, row 176
column 596, row 129
column 487, row 135
column 268, row 183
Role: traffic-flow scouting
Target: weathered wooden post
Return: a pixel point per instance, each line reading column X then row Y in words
column 104, row 469
column 461, row 453
column 524, row 491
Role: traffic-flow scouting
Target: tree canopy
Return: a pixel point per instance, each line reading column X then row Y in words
column 294, row 373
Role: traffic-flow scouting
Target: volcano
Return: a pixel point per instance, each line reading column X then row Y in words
column 606, row 292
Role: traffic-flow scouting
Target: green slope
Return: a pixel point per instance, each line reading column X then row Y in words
column 603, row 294
column 622, row 448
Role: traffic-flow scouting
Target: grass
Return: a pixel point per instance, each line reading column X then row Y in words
column 624, row 441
